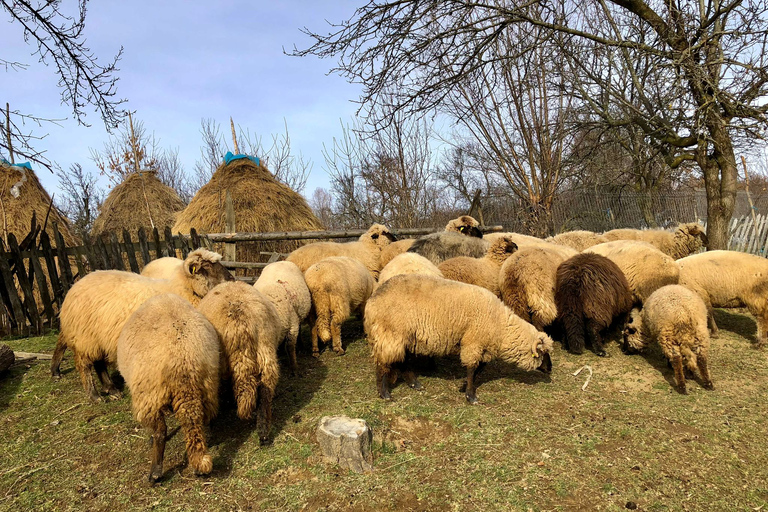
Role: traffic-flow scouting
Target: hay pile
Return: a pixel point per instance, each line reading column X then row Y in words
column 16, row 213
column 261, row 204
column 126, row 206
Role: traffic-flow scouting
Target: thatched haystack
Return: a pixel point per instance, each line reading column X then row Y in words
column 261, row 204
column 130, row 204
column 16, row 212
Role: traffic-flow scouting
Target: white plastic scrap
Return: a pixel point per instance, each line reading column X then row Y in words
column 17, row 186
column 586, row 382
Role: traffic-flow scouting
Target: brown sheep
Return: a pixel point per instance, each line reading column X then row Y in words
column 590, row 291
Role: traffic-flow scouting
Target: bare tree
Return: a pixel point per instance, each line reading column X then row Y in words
column 711, row 54
column 58, row 39
column 81, row 197
column 321, row 203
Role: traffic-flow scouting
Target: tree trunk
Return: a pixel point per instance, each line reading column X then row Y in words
column 7, row 357
column 720, row 179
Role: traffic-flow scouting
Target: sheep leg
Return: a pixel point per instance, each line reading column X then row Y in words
column 471, row 391
column 336, row 335
column 704, row 371
column 290, row 347
column 677, row 366
column 762, row 323
column 264, row 413
column 106, row 381
column 463, row 387
column 85, row 369
column 382, row 381
column 159, row 434
column 594, row 335
column 409, row 374
column 573, row 325
column 711, row 320
column 58, row 355
column 315, row 347
column 189, row 411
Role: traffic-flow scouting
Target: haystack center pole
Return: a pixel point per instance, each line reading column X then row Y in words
column 234, row 136
column 230, row 249
column 8, row 131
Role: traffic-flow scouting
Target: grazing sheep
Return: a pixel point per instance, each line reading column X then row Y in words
column 483, row 272
column 676, row 317
column 590, row 291
column 162, row 268
column 645, row 267
column 96, row 308
column 338, row 287
column 249, row 331
column 168, row 354
column 527, row 282
column 403, row 319
column 578, row 240
column 367, row 250
column 408, row 263
column 729, row 279
column 438, row 247
column 283, row 283
column 685, row 240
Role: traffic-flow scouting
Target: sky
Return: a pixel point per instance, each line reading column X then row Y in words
column 184, row 61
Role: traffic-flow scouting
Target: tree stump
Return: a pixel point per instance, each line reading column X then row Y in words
column 7, row 358
column 346, row 442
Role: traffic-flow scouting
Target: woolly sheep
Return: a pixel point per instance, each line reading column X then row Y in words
column 393, row 250
column 483, row 272
column 168, row 354
column 403, row 319
column 249, row 331
column 645, row 267
column 519, row 239
column 527, row 282
column 590, row 291
column 578, row 240
column 729, row 279
column 367, row 250
column 438, row 247
column 685, row 240
column 283, row 283
column 408, row 263
column 161, row 268
column 338, row 286
column 96, row 308
column 677, row 318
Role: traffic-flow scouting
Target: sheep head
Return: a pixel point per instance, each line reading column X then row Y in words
column 501, row 249
column 525, row 346
column 634, row 341
column 693, row 230
column 465, row 225
column 378, row 235
column 205, row 270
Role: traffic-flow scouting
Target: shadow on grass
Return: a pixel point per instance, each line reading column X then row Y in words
column 10, row 382
column 656, row 358
column 736, row 322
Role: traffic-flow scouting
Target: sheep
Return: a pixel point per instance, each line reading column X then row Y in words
column 685, row 240
column 520, row 239
column 408, row 263
column 168, row 354
column 161, row 268
column 249, row 330
column 367, row 250
column 527, row 282
column 578, row 240
column 483, row 271
column 283, row 283
column 438, row 247
column 728, row 279
column 676, row 317
column 645, row 267
column 97, row 306
column 338, row 286
column 464, row 225
column 590, row 291
column 403, row 319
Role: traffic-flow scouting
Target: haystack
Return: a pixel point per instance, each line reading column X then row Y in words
column 261, row 204
column 16, row 212
column 131, row 203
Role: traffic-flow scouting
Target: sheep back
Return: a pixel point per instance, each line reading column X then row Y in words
column 408, row 263
column 393, row 250
column 438, row 247
column 162, row 268
column 578, row 240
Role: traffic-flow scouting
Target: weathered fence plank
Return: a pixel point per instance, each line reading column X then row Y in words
column 115, row 252
column 130, row 250
column 61, row 251
column 144, row 246
column 29, row 304
column 16, row 313
column 42, row 286
column 53, row 271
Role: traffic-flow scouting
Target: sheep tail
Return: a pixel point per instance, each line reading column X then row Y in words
column 573, row 324
column 245, row 384
column 322, row 302
column 58, row 355
column 190, row 412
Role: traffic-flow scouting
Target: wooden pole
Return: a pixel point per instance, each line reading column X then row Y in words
column 234, row 136
column 749, row 196
column 8, row 131
column 230, row 249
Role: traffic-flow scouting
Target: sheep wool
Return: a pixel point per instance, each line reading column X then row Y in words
column 438, row 247
column 162, row 268
column 483, row 272
column 676, row 318
column 408, row 263
column 464, row 225
column 403, row 320
column 168, row 354
column 578, row 240
column 683, row 241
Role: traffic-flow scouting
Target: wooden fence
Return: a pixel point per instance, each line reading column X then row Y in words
column 749, row 235
column 35, row 278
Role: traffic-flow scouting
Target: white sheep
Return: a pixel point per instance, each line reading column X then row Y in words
column 578, row 240
column 483, row 272
column 162, row 268
column 438, row 247
column 683, row 241
column 408, row 263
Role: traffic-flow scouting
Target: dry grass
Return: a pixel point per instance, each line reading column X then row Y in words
column 532, row 443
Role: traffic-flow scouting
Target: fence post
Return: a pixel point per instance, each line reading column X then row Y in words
column 16, row 309
column 158, row 248
column 53, row 272
column 42, row 285
column 195, row 238
column 169, row 242
column 61, row 251
column 117, row 254
column 144, row 246
column 130, row 251
column 21, row 275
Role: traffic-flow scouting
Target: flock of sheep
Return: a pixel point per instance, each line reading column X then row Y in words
column 181, row 327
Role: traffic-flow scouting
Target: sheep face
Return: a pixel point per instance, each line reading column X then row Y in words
column 206, row 271
column 465, row 225
column 379, row 235
column 634, row 341
column 696, row 231
column 528, row 355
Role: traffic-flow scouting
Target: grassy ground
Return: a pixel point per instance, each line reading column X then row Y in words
column 532, row 443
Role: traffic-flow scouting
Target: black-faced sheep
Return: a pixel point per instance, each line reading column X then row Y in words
column 590, row 291
column 645, row 267
column 438, row 247
column 464, row 225
column 408, row 263
column 338, row 287
column 676, row 318
column 283, row 283
column 249, row 331
column 96, row 308
column 168, row 354
column 729, row 279
column 483, row 272
column 367, row 250
column 683, row 241
column 578, row 240
column 527, row 282
column 404, row 318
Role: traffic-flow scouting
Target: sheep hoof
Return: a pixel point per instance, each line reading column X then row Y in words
column 709, row 386
column 416, row 385
column 115, row 395
column 95, row 398
column 472, row 400
column 315, row 354
column 155, row 475
column 385, row 396
column 682, row 390
column 339, row 352
column 602, row 353
column 463, row 387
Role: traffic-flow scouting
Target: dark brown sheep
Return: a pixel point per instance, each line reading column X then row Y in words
column 590, row 291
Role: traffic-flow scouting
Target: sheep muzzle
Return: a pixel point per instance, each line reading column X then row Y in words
column 546, row 364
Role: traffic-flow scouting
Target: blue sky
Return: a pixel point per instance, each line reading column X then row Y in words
column 184, row 61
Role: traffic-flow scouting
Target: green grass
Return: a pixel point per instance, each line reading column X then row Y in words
column 532, row 443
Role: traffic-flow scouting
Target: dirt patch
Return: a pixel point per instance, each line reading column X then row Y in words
column 405, row 433
column 291, row 476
